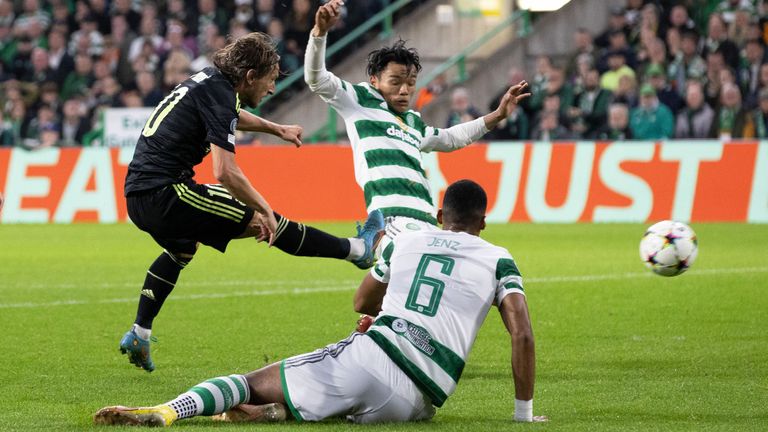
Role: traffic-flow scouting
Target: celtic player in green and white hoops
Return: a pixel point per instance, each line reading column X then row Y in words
column 388, row 138
column 431, row 291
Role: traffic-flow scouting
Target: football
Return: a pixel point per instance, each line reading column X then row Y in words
column 669, row 248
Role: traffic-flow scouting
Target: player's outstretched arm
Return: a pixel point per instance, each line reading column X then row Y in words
column 229, row 174
column 514, row 313
column 252, row 123
column 512, row 97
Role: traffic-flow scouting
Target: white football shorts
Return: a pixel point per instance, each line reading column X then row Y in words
column 352, row 378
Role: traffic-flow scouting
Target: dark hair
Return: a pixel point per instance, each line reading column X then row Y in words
column 253, row 51
column 465, row 202
column 398, row 53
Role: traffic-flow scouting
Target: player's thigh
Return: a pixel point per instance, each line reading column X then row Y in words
column 352, row 378
column 203, row 213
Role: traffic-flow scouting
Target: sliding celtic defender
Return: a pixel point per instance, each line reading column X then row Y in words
column 198, row 117
column 388, row 138
column 431, row 292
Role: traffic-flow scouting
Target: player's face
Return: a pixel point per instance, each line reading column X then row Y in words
column 256, row 89
column 396, row 83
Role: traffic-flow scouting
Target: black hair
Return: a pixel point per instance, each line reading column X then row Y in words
column 397, row 53
column 465, row 202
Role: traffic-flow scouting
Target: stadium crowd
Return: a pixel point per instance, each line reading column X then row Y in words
column 62, row 62
column 653, row 73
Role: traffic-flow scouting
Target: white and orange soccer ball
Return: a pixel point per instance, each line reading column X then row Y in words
column 669, row 248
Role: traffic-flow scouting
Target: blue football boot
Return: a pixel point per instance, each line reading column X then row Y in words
column 371, row 233
column 137, row 350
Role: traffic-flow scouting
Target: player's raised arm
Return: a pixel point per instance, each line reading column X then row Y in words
column 461, row 135
column 317, row 77
column 514, row 313
column 253, row 123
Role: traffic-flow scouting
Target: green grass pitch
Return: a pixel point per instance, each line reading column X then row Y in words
column 618, row 348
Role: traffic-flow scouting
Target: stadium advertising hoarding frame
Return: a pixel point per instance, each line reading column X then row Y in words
column 698, row 181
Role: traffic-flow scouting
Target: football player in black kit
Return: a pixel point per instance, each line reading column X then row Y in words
column 198, row 117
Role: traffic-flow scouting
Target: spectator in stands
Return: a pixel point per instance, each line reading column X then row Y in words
column 79, row 80
column 21, row 63
column 210, row 13
column 298, row 23
column 433, row 89
column 616, row 21
column 728, row 8
column 49, row 95
column 627, row 92
column 633, row 12
column 590, row 107
column 732, row 120
column 59, row 60
column 149, row 37
column 107, row 93
column 617, row 69
column 462, row 109
column 696, row 120
column 146, row 84
column 738, row 30
column 618, row 44
column 760, row 116
column 45, row 120
column 117, row 53
column 175, row 70
column 13, row 123
column 40, row 71
column 714, row 75
column 717, row 41
column 617, row 127
column 653, row 54
column 265, row 13
column 549, row 128
column 538, row 83
column 666, row 94
column 651, row 119
column 32, row 14
column 687, row 64
column 673, row 43
column 289, row 60
column 583, row 47
column 555, row 86
column 650, row 25
column 74, row 123
column 7, row 14
column 749, row 72
column 89, row 31
column 680, row 20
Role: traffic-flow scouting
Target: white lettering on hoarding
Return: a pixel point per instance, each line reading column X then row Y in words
column 511, row 157
column 758, row 201
column 690, row 154
column 94, row 162
column 20, row 186
column 624, row 183
column 578, row 186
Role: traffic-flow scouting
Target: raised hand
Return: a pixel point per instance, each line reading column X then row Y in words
column 326, row 17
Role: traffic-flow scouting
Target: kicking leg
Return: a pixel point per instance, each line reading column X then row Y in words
column 267, row 401
column 158, row 284
column 300, row 240
column 210, row 397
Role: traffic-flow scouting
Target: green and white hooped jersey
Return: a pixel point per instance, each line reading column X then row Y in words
column 441, row 287
column 386, row 145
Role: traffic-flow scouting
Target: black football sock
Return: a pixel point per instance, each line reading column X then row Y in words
column 160, row 280
column 301, row 240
